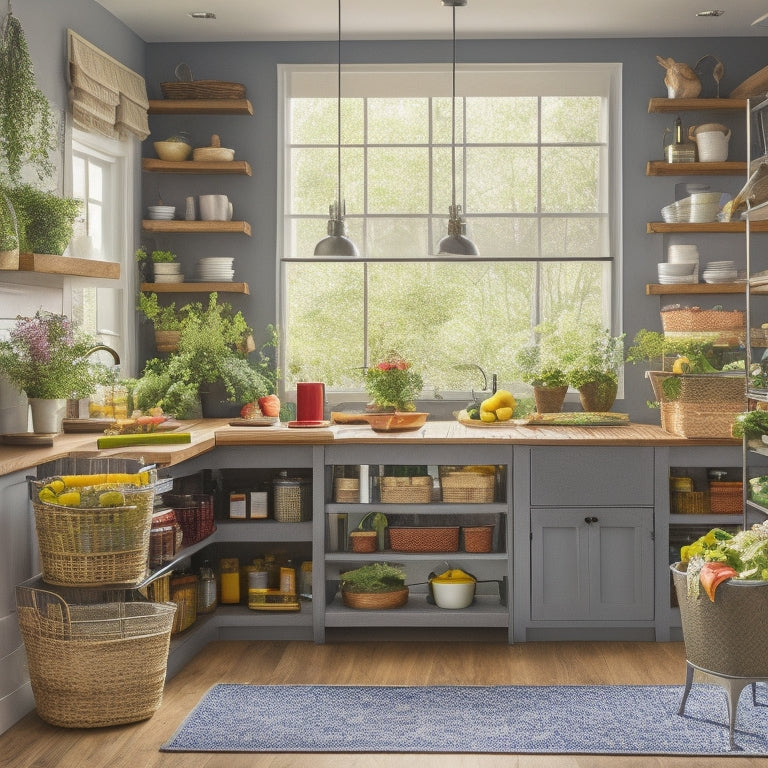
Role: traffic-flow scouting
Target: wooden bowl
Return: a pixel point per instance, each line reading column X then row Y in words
column 399, row 421
column 174, row 151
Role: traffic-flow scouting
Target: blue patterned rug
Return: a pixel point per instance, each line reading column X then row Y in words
column 620, row 719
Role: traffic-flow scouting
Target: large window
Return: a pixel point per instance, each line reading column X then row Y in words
column 537, row 163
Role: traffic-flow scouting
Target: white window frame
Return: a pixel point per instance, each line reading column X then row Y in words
column 541, row 79
column 122, row 154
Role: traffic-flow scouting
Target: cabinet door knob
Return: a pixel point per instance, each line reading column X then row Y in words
column 590, row 520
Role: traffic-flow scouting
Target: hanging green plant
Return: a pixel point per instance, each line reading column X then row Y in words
column 45, row 220
column 27, row 124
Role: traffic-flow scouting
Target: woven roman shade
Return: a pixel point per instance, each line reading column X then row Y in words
column 106, row 96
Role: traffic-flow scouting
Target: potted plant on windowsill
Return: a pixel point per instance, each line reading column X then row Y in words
column 595, row 368
column 542, row 365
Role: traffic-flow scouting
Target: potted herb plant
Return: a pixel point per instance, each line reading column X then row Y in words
column 392, row 384
column 47, row 357
column 594, row 369
column 164, row 264
column 45, row 219
column 375, row 586
column 211, row 367
column 542, row 365
column 165, row 319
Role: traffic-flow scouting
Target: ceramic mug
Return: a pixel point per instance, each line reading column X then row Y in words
column 215, row 208
column 712, row 142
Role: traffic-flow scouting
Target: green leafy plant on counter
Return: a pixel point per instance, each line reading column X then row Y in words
column 375, row 577
column 27, row 125
column 156, row 256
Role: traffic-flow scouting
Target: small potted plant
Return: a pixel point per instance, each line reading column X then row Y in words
column 375, row 586
column 165, row 268
column 392, row 384
column 47, row 357
column 165, row 319
column 541, row 365
column 594, row 369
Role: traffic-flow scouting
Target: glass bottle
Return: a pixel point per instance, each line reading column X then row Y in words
column 207, row 589
column 229, row 577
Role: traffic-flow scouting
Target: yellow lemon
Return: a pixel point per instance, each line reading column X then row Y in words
column 681, row 365
column 69, row 499
column 57, row 486
column 504, row 414
column 47, row 494
column 111, row 499
column 487, row 416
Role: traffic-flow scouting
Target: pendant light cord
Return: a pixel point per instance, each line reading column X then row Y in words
column 338, row 116
column 453, row 115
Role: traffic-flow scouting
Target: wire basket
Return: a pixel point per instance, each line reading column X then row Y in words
column 292, row 499
column 94, row 665
column 406, row 490
column 194, row 513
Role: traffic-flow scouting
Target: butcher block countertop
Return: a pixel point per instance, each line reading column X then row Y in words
column 206, row 434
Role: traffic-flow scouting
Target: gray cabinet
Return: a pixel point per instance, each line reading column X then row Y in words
column 592, row 564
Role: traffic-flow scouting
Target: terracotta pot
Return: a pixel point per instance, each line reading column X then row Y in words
column 549, row 399
column 598, row 396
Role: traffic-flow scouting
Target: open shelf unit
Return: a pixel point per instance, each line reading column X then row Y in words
column 200, row 107
column 50, row 264
column 224, row 287
column 204, row 167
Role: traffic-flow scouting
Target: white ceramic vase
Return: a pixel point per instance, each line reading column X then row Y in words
column 47, row 414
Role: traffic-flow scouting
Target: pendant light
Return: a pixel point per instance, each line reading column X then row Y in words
column 456, row 243
column 337, row 244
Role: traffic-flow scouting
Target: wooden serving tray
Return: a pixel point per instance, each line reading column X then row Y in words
column 575, row 419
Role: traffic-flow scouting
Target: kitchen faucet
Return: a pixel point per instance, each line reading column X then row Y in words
column 475, row 366
column 104, row 348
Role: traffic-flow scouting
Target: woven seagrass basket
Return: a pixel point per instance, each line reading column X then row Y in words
column 467, row 487
column 406, row 490
column 363, row 541
column 726, row 325
column 94, row 665
column 478, row 538
column 727, row 497
column 727, row 636
column 689, row 503
column 375, row 601
column 184, row 594
column 346, row 490
column 428, row 539
column 90, row 547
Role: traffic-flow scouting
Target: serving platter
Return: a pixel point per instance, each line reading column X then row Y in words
column 575, row 419
column 259, row 421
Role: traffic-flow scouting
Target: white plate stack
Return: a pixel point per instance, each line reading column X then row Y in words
column 720, row 272
column 679, row 272
column 215, row 269
column 161, row 212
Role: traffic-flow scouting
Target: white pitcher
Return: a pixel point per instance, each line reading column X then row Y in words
column 711, row 140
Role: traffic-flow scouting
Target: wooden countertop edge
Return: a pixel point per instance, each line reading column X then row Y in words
column 209, row 433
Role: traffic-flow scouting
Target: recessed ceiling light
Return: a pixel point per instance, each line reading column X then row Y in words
column 202, row 14
column 714, row 12
column 761, row 21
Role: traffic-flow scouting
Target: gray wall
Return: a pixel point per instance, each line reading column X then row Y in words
column 255, row 139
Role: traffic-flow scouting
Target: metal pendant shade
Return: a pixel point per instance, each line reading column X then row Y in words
column 337, row 244
column 456, row 243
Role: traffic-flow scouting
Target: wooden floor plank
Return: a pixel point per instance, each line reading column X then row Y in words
column 31, row 743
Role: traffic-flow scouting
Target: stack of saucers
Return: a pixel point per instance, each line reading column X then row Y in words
column 215, row 269
column 161, row 212
column 720, row 272
column 678, row 272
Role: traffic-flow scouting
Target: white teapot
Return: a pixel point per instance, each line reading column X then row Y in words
column 711, row 140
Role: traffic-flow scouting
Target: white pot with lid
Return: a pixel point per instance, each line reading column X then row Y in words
column 711, row 140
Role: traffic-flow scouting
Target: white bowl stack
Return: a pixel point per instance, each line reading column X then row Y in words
column 684, row 253
column 698, row 208
column 679, row 272
column 720, row 272
column 215, row 269
column 161, row 212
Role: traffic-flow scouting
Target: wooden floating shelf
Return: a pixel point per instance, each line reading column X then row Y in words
column 663, row 228
column 200, row 107
column 196, row 287
column 238, row 167
column 680, row 105
column 663, row 168
column 196, row 227
column 655, row 289
column 51, row 264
